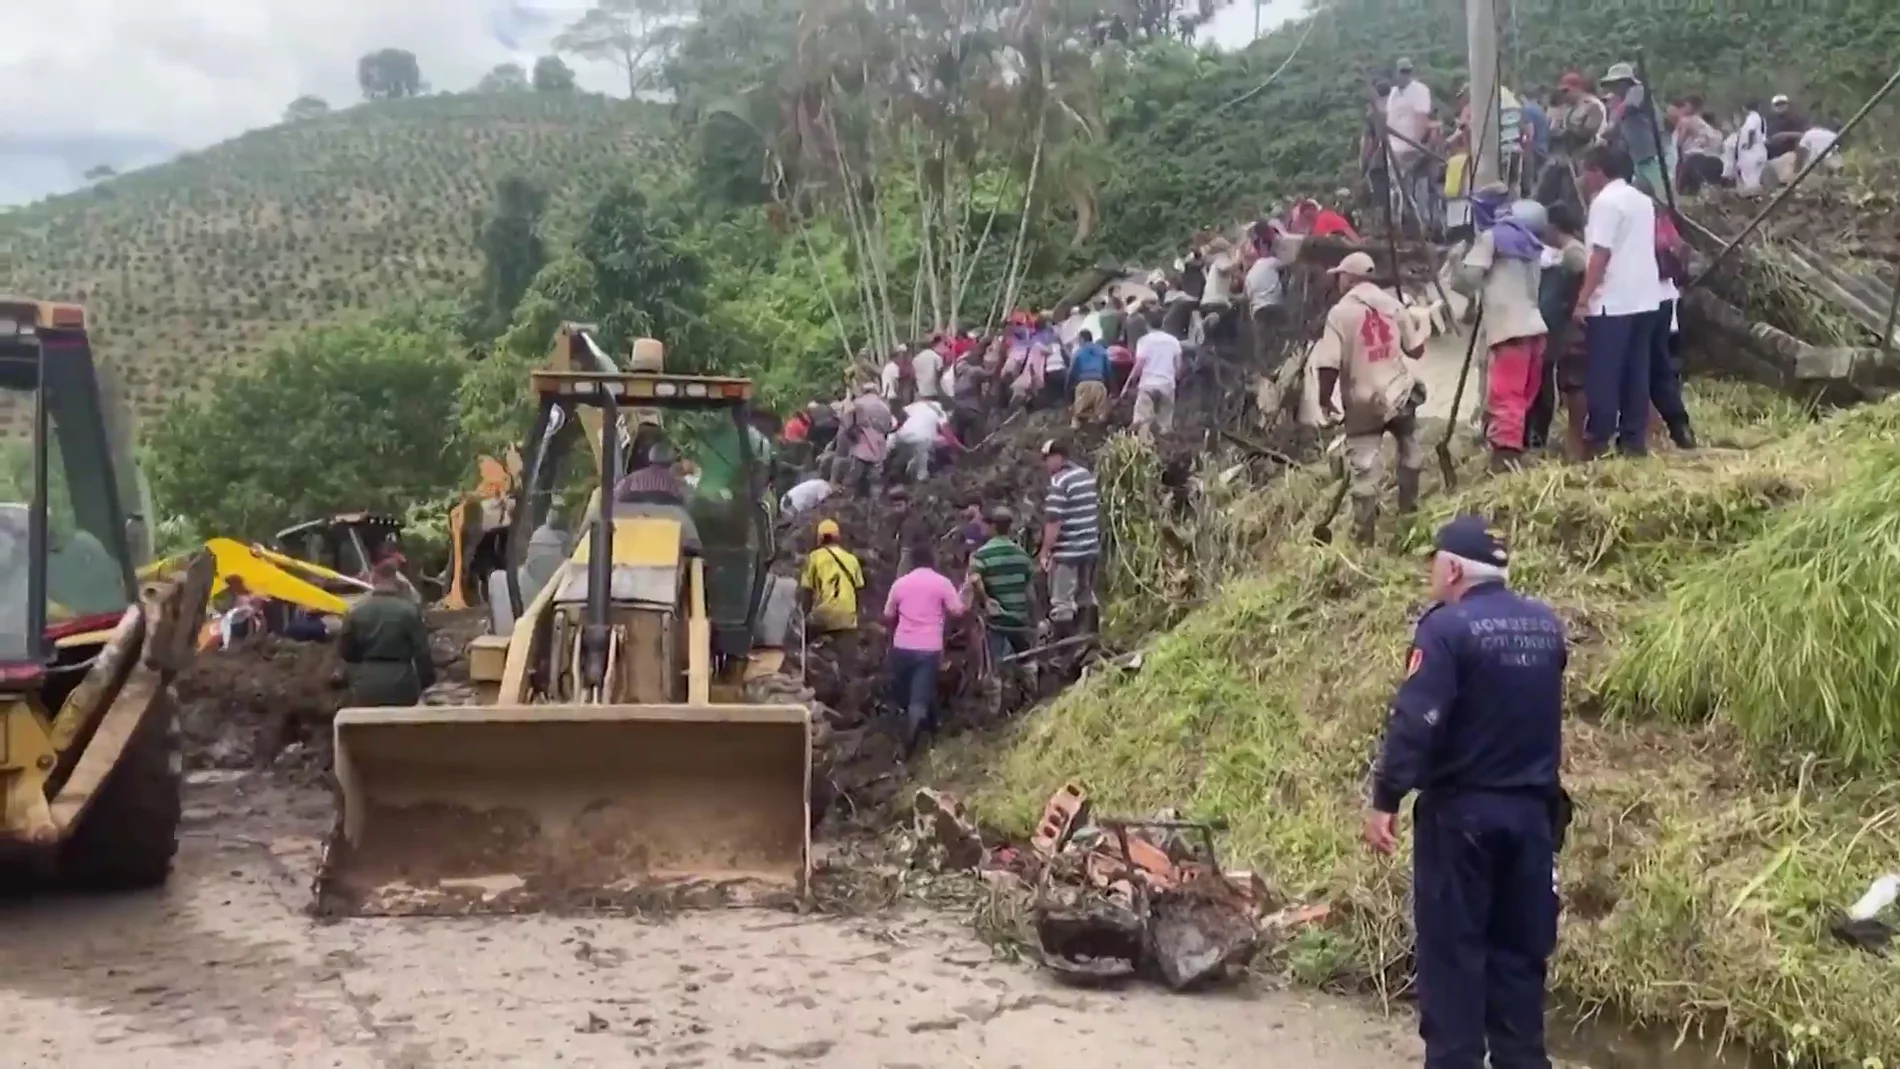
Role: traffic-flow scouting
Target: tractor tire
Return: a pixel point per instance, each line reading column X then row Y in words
column 127, row 839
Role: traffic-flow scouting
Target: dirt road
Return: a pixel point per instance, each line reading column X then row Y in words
column 224, row 969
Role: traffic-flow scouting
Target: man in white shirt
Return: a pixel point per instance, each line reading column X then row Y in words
column 1815, row 141
column 1157, row 368
column 804, row 497
column 1265, row 294
column 1408, row 118
column 927, row 370
column 923, row 420
column 1622, row 290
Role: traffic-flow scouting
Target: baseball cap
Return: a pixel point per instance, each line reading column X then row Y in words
column 1404, row 63
column 1357, row 263
column 828, row 529
column 1474, row 539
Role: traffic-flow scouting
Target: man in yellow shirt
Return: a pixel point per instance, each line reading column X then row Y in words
column 828, row 590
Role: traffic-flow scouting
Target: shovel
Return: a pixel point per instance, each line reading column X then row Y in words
column 1446, row 470
column 1323, row 530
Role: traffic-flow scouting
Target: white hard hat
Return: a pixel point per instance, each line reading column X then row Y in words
column 1531, row 213
column 1620, row 72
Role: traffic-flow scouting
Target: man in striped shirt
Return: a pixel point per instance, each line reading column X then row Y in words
column 1071, row 539
column 1003, row 582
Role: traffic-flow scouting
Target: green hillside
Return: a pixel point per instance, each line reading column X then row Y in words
column 200, row 262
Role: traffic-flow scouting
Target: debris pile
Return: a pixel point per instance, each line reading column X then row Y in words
column 1113, row 898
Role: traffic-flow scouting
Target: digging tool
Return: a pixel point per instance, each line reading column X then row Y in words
column 1445, row 466
column 1037, row 651
column 1323, row 530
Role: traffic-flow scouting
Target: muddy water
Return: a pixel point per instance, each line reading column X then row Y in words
column 224, row 969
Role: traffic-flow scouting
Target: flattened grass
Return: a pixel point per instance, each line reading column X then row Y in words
column 1698, row 876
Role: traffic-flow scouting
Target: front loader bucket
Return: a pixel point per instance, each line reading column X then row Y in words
column 485, row 809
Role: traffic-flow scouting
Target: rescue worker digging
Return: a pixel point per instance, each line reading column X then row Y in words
column 1071, row 540
column 1364, row 353
column 1002, row 582
column 828, row 588
column 1476, row 729
column 385, row 643
column 1503, row 268
column 916, row 610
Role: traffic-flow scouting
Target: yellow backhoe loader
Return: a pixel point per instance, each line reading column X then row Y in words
column 89, row 767
column 614, row 756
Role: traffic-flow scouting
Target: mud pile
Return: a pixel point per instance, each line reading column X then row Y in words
column 252, row 706
column 270, row 702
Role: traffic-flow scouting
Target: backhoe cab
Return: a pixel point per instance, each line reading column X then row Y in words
column 615, row 752
column 89, row 775
column 348, row 542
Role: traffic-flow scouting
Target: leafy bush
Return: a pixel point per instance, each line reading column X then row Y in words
column 353, row 417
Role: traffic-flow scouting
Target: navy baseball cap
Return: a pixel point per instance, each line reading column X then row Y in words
column 1474, row 539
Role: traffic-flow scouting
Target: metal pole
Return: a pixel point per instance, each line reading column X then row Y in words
column 1481, row 39
column 1655, row 117
column 1762, row 216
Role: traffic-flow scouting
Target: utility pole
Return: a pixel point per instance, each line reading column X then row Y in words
column 1481, row 40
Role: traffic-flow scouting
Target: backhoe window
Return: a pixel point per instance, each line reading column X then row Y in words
column 87, row 567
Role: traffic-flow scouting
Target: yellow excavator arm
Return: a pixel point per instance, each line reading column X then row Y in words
column 267, row 573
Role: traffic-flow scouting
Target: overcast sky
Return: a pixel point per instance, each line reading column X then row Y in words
column 128, row 83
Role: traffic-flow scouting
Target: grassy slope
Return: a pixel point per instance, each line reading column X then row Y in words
column 199, row 261
column 1696, row 881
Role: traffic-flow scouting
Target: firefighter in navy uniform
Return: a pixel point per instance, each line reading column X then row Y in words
column 1476, row 729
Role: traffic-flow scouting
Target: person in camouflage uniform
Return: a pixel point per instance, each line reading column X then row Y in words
column 385, row 643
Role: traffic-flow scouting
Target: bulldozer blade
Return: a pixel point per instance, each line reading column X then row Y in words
column 512, row 809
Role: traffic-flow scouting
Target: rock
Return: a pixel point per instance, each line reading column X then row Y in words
column 945, row 833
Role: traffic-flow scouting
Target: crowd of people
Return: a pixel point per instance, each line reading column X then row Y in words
column 1543, row 133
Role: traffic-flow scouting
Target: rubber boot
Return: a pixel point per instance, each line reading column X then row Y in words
column 1684, row 436
column 1365, row 521
column 1408, row 491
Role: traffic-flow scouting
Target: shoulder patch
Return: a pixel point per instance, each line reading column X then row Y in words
column 1414, row 662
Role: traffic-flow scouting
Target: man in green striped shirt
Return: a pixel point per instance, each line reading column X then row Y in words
column 1003, row 576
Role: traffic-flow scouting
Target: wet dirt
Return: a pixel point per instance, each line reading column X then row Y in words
column 223, row 968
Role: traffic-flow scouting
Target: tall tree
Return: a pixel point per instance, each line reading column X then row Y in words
column 389, row 74
column 646, row 281
column 306, row 107
column 636, row 35
column 553, row 76
column 916, row 127
column 103, row 170
column 513, row 252
column 504, row 78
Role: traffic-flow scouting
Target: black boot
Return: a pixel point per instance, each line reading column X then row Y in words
column 1503, row 460
column 1408, row 491
column 1684, row 436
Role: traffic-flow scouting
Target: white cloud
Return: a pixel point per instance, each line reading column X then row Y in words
column 189, row 73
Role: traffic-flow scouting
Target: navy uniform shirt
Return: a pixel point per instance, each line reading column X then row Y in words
column 1481, row 708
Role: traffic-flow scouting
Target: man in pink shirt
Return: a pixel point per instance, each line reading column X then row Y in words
column 916, row 610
